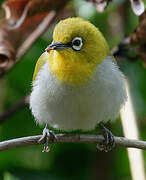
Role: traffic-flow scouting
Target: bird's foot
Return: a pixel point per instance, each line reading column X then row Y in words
column 109, row 142
column 47, row 137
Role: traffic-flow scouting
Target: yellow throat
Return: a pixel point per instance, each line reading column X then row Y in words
column 77, row 67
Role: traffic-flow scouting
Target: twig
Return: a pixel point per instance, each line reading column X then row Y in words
column 14, row 108
column 71, row 138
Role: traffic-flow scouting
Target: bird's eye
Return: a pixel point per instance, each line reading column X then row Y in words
column 77, row 43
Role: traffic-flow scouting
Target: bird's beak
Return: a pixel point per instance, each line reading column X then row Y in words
column 57, row 46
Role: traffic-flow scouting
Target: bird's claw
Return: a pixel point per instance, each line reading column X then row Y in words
column 46, row 138
column 109, row 142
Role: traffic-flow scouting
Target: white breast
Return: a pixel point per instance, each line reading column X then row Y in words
column 70, row 108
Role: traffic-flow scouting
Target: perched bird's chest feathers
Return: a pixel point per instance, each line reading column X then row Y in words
column 67, row 107
column 74, row 71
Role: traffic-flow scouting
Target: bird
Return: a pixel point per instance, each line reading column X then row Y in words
column 77, row 84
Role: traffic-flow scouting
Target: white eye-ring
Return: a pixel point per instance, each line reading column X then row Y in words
column 77, row 43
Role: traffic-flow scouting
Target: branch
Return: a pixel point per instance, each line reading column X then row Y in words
column 14, row 108
column 71, row 138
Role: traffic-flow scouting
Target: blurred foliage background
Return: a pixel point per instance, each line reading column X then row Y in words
column 70, row 161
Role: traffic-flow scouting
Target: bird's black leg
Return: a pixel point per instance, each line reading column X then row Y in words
column 46, row 137
column 108, row 142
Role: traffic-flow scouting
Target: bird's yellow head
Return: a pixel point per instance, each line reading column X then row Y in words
column 77, row 48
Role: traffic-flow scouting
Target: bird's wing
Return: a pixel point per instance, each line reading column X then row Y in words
column 41, row 61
